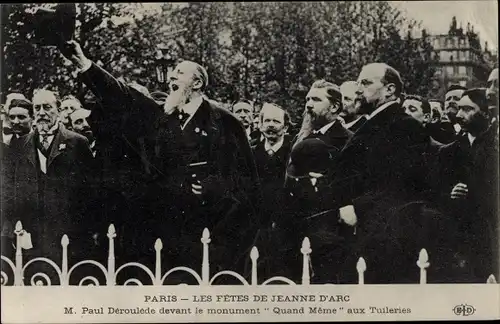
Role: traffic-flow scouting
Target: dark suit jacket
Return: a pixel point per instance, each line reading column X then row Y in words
column 477, row 215
column 52, row 204
column 357, row 125
column 175, row 214
column 381, row 172
column 271, row 171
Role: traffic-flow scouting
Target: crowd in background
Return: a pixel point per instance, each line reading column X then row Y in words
column 374, row 171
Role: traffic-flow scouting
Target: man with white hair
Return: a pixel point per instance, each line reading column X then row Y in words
column 45, row 181
column 198, row 167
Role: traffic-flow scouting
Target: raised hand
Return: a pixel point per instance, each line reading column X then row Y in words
column 73, row 52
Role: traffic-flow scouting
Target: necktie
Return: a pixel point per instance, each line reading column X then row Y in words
column 182, row 117
column 45, row 142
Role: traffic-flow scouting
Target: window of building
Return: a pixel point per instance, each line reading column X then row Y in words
column 462, row 70
column 458, row 56
column 455, row 69
column 444, row 56
column 463, row 83
column 449, row 70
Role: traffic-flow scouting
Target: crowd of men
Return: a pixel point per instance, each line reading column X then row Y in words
column 374, row 172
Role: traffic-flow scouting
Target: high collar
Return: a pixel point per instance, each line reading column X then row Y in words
column 382, row 108
column 274, row 147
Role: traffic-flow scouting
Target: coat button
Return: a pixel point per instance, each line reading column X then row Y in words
column 196, row 130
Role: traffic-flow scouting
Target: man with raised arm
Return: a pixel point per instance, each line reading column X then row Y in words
column 198, row 165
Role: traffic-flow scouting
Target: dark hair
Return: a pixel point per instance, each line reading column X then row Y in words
column 22, row 103
column 478, row 96
column 426, row 107
column 436, row 100
column 332, row 90
column 391, row 75
column 454, row 87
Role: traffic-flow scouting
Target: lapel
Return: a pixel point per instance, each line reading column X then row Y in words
column 207, row 120
column 30, row 147
column 59, row 139
column 372, row 128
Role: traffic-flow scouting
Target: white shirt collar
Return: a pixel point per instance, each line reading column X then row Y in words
column 190, row 108
column 381, row 108
column 248, row 130
column 457, row 128
column 325, row 128
column 349, row 125
column 274, row 147
column 471, row 138
column 7, row 138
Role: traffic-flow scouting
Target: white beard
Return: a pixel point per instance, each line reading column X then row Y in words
column 44, row 126
column 176, row 99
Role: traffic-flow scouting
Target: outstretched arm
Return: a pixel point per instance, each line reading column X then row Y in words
column 113, row 94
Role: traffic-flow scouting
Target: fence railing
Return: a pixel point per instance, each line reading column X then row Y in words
column 157, row 277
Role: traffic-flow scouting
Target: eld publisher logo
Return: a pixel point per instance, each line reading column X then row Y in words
column 464, row 310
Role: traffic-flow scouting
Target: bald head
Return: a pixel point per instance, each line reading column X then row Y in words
column 379, row 83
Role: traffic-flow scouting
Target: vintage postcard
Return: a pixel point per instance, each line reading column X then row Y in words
column 247, row 162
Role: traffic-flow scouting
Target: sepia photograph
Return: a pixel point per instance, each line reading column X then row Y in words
column 245, row 161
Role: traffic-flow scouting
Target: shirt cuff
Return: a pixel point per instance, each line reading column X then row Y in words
column 87, row 65
column 348, row 215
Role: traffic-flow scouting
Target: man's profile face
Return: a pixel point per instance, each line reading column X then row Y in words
column 67, row 107
column 370, row 85
column 183, row 78
column 414, row 109
column 451, row 100
column 45, row 110
column 273, row 122
column 492, row 88
column 349, row 103
column 244, row 112
column 318, row 106
column 80, row 122
column 469, row 116
column 20, row 120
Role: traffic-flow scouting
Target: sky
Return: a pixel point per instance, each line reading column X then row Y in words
column 436, row 16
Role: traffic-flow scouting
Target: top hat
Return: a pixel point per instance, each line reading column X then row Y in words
column 54, row 27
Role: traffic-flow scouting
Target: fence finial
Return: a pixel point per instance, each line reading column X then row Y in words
column 110, row 280
column 64, row 240
column 423, row 263
column 491, row 279
column 254, row 255
column 205, row 266
column 18, row 276
column 158, row 248
column 361, row 268
column 306, row 250
column 111, row 231
column 64, row 262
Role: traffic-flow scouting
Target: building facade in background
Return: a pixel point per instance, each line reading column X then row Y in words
column 460, row 59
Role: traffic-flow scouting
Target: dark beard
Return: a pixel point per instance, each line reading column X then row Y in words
column 477, row 125
column 365, row 108
column 319, row 121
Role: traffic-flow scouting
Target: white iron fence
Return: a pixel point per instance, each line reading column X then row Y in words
column 158, row 278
